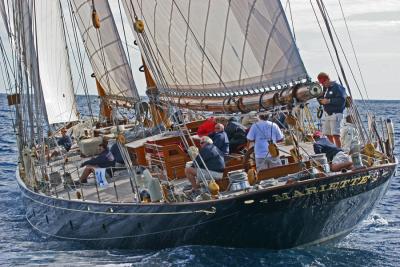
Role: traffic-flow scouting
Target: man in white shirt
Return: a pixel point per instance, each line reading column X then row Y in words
column 261, row 133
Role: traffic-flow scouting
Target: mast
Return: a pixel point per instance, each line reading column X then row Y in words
column 158, row 112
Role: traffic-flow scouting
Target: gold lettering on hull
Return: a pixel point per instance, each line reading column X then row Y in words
column 361, row 180
column 284, row 196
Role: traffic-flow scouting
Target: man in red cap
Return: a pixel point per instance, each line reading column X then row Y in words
column 333, row 101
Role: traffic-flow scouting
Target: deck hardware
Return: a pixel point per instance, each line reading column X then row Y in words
column 110, row 210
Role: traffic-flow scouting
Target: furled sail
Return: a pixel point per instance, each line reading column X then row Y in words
column 207, row 47
column 54, row 68
column 105, row 49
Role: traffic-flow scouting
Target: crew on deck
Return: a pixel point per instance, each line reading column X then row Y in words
column 236, row 133
column 333, row 101
column 206, row 127
column 104, row 160
column 339, row 159
column 220, row 139
column 262, row 133
column 65, row 140
column 213, row 160
column 117, row 154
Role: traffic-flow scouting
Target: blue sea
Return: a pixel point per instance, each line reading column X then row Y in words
column 375, row 242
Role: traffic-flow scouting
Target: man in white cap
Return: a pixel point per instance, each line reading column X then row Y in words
column 213, row 161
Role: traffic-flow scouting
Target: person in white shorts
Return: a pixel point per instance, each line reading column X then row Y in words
column 261, row 133
column 334, row 102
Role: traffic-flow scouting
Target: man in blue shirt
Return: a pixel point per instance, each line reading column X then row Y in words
column 213, row 160
column 220, row 139
column 104, row 160
column 65, row 140
column 261, row 133
column 117, row 154
column 334, row 101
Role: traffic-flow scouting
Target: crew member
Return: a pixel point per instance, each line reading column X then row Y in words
column 236, row 133
column 65, row 140
column 213, row 160
column 333, row 101
column 262, row 133
column 339, row 160
column 104, row 160
column 220, row 139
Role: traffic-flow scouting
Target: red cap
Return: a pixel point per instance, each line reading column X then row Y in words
column 317, row 134
column 322, row 77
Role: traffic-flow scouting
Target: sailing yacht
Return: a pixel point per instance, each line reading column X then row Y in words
column 218, row 59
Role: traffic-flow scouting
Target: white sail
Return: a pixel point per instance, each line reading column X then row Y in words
column 54, row 69
column 105, row 50
column 219, row 46
column 4, row 15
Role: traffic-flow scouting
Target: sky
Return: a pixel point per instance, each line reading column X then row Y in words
column 374, row 27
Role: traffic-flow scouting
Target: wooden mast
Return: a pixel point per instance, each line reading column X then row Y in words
column 105, row 108
column 158, row 113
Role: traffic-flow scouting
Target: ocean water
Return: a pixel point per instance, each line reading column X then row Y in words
column 375, row 242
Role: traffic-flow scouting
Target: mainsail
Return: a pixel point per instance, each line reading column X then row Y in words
column 54, row 68
column 251, row 48
column 105, row 49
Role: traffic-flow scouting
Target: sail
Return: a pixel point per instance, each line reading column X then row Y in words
column 105, row 49
column 205, row 46
column 4, row 15
column 54, row 68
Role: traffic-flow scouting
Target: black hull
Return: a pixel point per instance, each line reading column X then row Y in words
column 308, row 212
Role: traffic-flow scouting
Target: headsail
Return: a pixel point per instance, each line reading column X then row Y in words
column 105, row 50
column 252, row 47
column 54, row 68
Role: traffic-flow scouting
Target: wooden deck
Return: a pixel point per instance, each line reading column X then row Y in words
column 121, row 186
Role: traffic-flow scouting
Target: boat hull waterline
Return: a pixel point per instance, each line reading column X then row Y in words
column 308, row 212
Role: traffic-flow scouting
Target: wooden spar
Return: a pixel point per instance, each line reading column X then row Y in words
column 247, row 103
column 105, row 108
column 158, row 114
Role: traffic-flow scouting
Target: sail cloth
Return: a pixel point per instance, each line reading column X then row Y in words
column 54, row 68
column 104, row 48
column 4, row 15
column 219, row 46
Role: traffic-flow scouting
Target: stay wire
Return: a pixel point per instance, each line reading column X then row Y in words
column 354, row 51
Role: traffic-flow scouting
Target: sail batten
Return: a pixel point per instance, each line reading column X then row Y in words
column 252, row 47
